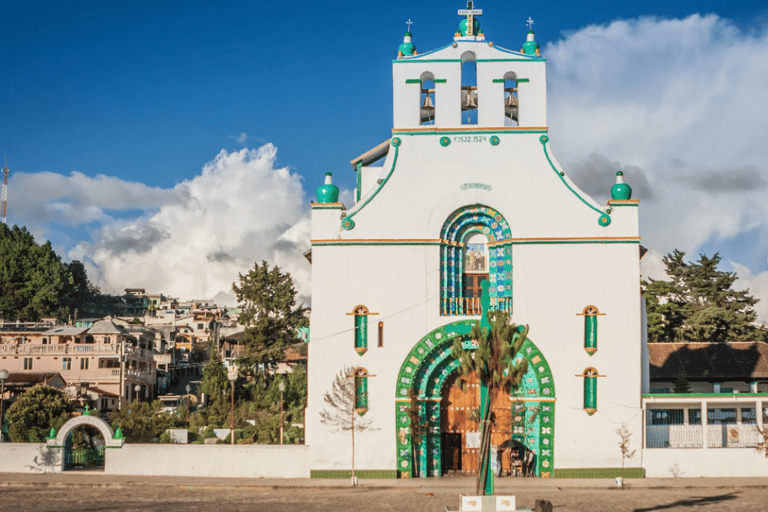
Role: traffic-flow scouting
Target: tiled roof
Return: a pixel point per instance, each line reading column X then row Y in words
column 66, row 330
column 740, row 360
column 102, row 393
column 106, row 326
column 29, row 378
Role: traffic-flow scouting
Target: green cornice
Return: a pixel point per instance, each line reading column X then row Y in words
column 543, row 241
column 519, row 80
column 604, row 219
column 747, row 396
column 429, row 60
column 347, row 222
column 413, row 81
column 511, row 60
column 327, row 206
column 440, row 80
column 418, row 80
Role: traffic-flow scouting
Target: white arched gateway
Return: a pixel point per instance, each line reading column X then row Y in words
column 99, row 424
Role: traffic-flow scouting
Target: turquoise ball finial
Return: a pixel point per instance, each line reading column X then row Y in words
column 621, row 191
column 328, row 192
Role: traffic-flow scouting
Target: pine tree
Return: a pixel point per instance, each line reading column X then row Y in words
column 270, row 314
column 698, row 303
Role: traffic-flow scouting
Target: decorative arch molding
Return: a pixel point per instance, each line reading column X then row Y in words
column 98, row 423
column 426, row 369
column 460, row 225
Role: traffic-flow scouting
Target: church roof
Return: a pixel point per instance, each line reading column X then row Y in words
column 740, row 360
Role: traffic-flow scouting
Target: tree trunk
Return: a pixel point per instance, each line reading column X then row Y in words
column 485, row 446
column 353, row 446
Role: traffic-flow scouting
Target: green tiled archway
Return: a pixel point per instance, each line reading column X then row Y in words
column 425, row 370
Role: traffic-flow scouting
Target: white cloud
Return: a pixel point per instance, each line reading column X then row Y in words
column 757, row 284
column 239, row 210
column 681, row 101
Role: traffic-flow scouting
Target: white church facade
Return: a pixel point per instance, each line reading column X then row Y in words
column 469, row 192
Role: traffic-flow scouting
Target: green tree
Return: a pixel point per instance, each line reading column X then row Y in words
column 498, row 342
column 269, row 313
column 682, row 385
column 143, row 422
column 35, row 412
column 214, row 379
column 699, row 303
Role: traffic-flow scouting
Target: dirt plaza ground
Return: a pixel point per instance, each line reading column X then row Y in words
column 98, row 492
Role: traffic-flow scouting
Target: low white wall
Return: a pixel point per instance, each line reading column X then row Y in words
column 697, row 462
column 243, row 460
column 29, row 458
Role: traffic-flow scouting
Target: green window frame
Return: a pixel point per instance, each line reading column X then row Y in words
column 361, row 391
column 590, row 314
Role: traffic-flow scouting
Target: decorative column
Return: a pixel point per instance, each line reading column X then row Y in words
column 590, row 314
column 704, row 425
column 590, row 376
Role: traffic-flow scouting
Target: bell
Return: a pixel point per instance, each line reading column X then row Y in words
column 470, row 102
column 428, row 105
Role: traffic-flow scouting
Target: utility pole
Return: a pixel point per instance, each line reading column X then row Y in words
column 4, row 197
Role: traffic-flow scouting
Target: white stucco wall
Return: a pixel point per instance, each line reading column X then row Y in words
column 239, row 461
column 713, row 462
column 29, row 458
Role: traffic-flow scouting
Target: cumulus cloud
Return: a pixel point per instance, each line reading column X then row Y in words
column 678, row 105
column 76, row 199
column 757, row 284
column 241, row 209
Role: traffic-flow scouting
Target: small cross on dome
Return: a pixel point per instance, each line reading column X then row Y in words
column 409, row 23
column 529, row 23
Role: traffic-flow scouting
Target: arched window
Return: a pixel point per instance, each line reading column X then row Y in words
column 468, row 89
column 510, row 100
column 590, row 376
column 475, row 245
column 428, row 99
column 361, row 314
column 590, row 328
column 361, row 391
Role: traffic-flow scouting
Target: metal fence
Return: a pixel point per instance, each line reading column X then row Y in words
column 682, row 428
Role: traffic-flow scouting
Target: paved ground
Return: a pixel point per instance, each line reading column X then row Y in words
column 85, row 491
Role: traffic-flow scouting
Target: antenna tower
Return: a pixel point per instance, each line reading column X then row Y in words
column 4, row 197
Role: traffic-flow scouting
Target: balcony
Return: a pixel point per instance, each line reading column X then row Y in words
column 470, row 306
column 71, row 349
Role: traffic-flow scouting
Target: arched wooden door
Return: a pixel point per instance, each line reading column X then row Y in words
column 461, row 430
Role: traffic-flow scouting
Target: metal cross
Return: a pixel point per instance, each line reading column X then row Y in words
column 409, row 23
column 529, row 22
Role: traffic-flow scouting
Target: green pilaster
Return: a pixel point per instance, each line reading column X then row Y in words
column 359, row 172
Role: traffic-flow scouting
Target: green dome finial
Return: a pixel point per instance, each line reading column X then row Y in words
column 621, row 191
column 407, row 48
column 328, row 192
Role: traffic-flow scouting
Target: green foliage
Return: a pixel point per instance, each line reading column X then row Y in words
column 143, row 422
column 699, row 304
column 34, row 283
column 35, row 412
column 214, row 381
column 269, row 313
column 493, row 362
column 682, row 385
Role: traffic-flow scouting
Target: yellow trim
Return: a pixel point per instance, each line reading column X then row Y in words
column 567, row 238
column 327, row 204
column 624, row 202
column 474, row 129
column 584, row 311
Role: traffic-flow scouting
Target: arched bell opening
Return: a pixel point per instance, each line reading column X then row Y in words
column 511, row 103
column 469, row 99
column 428, row 99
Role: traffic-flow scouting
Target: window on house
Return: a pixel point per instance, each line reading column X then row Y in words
column 361, row 391
column 84, row 363
column 200, row 327
column 107, row 339
column 66, row 363
column 469, row 99
column 27, row 363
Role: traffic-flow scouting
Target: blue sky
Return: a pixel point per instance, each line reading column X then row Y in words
column 115, row 110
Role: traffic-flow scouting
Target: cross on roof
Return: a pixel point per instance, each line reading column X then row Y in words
column 470, row 12
column 409, row 23
column 529, row 23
